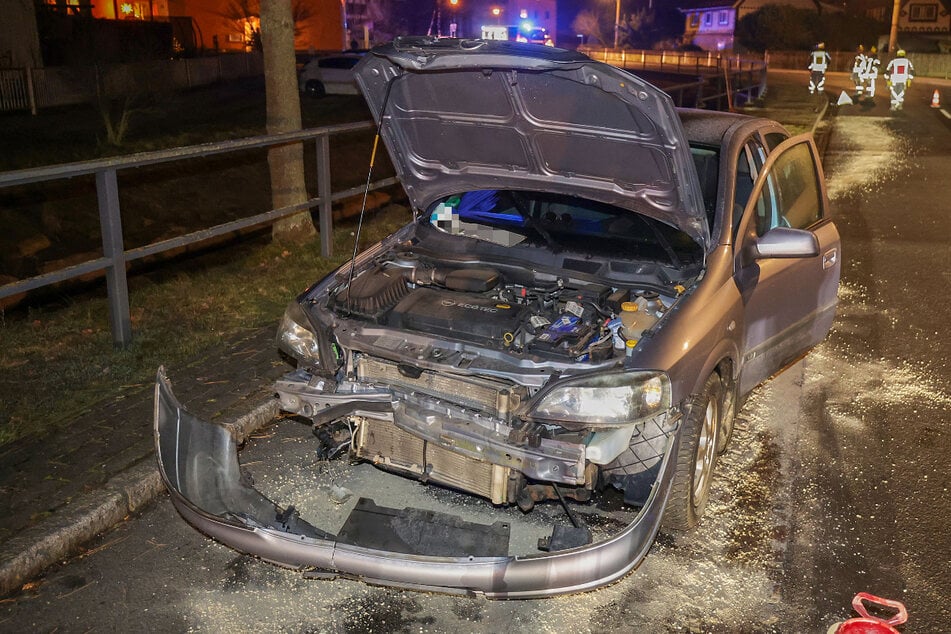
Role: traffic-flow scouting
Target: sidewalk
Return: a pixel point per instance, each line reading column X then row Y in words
column 61, row 491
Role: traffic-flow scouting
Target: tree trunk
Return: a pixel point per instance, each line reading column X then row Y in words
column 286, row 162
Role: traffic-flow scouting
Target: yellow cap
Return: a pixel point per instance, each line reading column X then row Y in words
column 629, row 307
column 630, row 343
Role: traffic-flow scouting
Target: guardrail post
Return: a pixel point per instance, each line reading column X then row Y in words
column 107, row 191
column 325, row 210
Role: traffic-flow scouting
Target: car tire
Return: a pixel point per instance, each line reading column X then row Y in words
column 696, row 457
column 727, row 418
column 314, row 88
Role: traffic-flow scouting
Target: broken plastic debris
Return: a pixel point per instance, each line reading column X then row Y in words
column 339, row 494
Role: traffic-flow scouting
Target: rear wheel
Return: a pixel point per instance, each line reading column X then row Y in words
column 696, row 457
column 314, row 88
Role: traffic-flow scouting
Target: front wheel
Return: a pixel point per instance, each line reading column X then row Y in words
column 696, row 457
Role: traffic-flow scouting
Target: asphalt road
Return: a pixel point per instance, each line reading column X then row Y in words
column 837, row 480
column 872, row 464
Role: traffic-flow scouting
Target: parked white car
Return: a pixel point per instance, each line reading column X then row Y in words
column 330, row 75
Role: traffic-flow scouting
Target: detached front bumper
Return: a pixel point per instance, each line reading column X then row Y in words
column 199, row 464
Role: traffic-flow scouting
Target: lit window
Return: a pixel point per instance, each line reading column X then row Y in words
column 922, row 12
column 134, row 10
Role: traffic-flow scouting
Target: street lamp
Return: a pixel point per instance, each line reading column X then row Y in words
column 617, row 21
column 497, row 12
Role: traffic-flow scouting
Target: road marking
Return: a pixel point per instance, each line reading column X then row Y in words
column 946, row 113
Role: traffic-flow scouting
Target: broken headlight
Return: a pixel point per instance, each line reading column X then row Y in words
column 618, row 398
column 296, row 336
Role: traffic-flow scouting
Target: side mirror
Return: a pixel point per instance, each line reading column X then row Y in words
column 785, row 242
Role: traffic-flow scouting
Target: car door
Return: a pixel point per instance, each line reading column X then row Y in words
column 337, row 74
column 788, row 296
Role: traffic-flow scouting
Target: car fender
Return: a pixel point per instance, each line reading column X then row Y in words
column 700, row 332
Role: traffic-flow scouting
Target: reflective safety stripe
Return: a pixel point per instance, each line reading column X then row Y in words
column 901, row 71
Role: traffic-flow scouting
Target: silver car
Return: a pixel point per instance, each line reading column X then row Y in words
column 593, row 283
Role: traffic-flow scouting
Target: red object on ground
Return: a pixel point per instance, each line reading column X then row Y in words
column 936, row 99
column 867, row 624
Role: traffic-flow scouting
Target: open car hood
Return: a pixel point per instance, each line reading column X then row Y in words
column 462, row 115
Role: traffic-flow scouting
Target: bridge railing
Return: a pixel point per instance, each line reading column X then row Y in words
column 721, row 80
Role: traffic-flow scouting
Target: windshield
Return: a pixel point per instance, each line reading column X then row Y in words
column 562, row 223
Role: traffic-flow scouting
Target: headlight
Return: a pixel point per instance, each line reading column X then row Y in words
column 296, row 337
column 609, row 399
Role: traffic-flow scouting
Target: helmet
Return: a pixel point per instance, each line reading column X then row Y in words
column 821, row 45
column 873, row 50
column 861, row 48
column 901, row 52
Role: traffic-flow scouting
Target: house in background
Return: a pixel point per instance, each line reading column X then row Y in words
column 925, row 25
column 197, row 26
column 710, row 24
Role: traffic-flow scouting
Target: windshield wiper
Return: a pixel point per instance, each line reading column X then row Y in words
column 532, row 222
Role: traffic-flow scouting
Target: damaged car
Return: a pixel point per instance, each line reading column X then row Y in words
column 592, row 283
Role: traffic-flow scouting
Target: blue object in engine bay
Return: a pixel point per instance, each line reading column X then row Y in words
column 567, row 336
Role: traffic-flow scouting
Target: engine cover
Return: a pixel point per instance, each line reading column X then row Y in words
column 465, row 316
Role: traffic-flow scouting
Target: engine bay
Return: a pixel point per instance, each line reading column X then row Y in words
column 559, row 318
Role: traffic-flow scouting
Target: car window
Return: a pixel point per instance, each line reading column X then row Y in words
column 773, row 139
column 344, row 63
column 748, row 166
column 791, row 196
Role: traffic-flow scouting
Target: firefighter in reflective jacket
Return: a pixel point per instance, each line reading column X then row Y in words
column 872, row 65
column 898, row 76
column 858, row 71
column 818, row 63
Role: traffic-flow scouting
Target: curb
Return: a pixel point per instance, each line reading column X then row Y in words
column 27, row 555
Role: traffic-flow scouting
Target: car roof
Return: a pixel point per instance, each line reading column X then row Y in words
column 711, row 127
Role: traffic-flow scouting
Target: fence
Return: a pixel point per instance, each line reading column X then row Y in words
column 15, row 91
column 719, row 78
column 67, row 85
column 673, row 61
column 115, row 256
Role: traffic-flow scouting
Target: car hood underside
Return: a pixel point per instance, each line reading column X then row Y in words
column 440, row 552
column 462, row 115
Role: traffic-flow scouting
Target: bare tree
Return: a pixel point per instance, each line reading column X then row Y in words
column 243, row 12
column 286, row 162
column 587, row 23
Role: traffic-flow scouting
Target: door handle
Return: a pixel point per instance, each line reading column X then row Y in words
column 830, row 258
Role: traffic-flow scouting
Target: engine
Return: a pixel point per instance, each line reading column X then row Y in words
column 478, row 305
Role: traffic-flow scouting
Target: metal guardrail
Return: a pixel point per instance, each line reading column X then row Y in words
column 673, row 61
column 115, row 256
column 719, row 77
